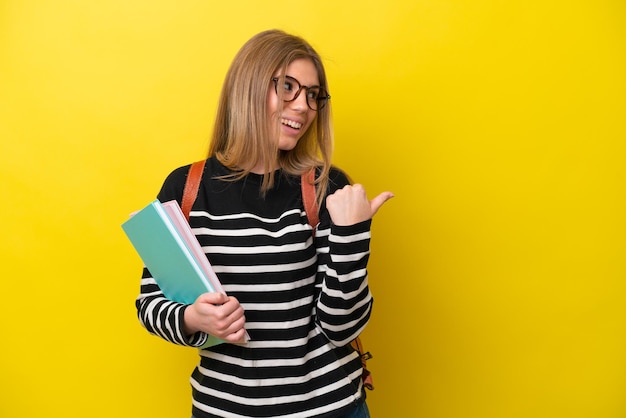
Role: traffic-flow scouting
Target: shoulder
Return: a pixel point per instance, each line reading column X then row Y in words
column 337, row 179
column 172, row 188
column 178, row 175
column 174, row 183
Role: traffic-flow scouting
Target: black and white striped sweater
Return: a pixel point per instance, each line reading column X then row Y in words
column 304, row 298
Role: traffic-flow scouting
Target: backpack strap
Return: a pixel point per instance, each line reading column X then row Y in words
column 309, row 198
column 366, row 376
column 192, row 184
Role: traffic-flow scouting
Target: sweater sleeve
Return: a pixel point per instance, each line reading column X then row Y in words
column 344, row 304
column 159, row 315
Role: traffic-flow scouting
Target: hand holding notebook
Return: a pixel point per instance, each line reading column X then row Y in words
column 169, row 249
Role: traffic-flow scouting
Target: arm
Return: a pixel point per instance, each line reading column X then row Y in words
column 345, row 302
column 163, row 317
column 211, row 313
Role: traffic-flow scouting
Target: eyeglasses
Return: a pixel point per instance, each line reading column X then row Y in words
column 316, row 96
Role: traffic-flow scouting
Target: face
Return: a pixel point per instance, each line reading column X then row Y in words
column 296, row 116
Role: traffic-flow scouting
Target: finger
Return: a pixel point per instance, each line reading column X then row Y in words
column 378, row 201
column 231, row 307
column 238, row 337
column 222, row 326
column 235, row 320
column 236, row 325
column 213, row 298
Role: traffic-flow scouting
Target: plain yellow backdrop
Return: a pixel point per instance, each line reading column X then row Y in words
column 498, row 270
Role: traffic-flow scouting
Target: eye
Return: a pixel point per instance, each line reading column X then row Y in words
column 288, row 86
column 313, row 93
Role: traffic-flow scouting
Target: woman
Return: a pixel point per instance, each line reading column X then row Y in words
column 301, row 297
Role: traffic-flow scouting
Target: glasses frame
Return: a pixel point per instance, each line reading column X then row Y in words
column 321, row 100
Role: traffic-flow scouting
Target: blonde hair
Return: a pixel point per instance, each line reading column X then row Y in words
column 244, row 133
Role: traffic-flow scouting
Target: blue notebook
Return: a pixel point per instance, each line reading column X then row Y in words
column 167, row 249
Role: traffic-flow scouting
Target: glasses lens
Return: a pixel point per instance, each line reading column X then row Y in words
column 290, row 88
column 312, row 96
column 316, row 97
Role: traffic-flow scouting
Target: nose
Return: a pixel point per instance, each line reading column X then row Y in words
column 300, row 102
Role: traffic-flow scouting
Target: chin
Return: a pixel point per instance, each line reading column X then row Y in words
column 287, row 145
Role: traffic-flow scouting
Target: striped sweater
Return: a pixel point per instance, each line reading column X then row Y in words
column 304, row 298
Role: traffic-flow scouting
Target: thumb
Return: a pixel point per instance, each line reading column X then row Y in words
column 213, row 298
column 378, row 201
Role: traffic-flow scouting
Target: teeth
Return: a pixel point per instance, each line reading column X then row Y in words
column 291, row 123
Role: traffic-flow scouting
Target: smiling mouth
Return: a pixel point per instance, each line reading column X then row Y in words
column 291, row 123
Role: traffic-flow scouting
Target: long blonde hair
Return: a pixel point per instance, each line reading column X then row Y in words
column 244, row 134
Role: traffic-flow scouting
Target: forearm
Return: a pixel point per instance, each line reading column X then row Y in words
column 345, row 301
column 190, row 325
column 163, row 317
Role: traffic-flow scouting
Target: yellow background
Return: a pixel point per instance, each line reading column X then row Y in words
column 498, row 270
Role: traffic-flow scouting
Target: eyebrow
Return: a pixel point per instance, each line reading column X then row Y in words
column 305, row 85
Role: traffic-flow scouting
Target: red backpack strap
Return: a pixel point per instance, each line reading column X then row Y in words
column 366, row 377
column 309, row 198
column 192, row 184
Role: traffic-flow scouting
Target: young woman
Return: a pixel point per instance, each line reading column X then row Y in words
column 301, row 297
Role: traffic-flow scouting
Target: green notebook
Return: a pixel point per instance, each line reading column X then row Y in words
column 164, row 241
